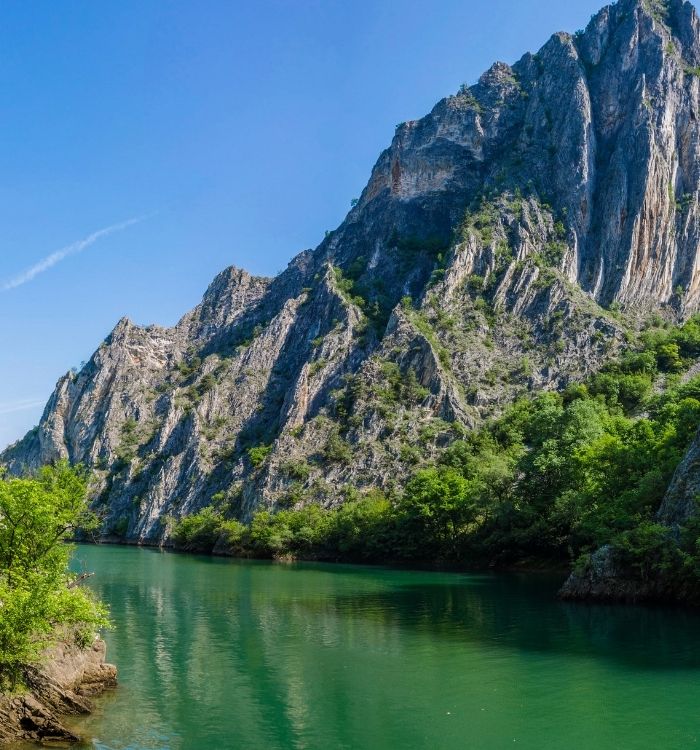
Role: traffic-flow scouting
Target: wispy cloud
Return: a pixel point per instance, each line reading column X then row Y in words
column 73, row 249
column 10, row 407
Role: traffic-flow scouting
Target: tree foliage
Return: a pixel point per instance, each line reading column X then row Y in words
column 39, row 598
column 553, row 478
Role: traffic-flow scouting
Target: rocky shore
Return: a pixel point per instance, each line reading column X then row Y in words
column 61, row 686
column 603, row 579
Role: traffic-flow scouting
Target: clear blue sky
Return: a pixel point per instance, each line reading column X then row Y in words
column 240, row 130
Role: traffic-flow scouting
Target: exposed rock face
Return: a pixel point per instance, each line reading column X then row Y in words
column 477, row 264
column 61, row 687
column 681, row 500
column 603, row 578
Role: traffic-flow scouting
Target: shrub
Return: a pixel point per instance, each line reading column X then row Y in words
column 206, row 384
column 258, row 454
column 299, row 470
column 189, row 367
column 39, row 595
column 337, row 449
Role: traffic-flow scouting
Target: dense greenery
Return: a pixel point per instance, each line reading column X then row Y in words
column 553, row 478
column 39, row 598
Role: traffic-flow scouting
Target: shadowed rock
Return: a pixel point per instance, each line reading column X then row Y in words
column 479, row 259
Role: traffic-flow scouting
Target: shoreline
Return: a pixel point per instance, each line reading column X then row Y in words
column 615, row 590
column 62, row 685
column 417, row 565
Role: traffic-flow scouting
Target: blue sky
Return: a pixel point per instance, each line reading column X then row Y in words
column 200, row 135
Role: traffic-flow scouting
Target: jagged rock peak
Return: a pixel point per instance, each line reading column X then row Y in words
column 228, row 281
column 478, row 265
column 496, row 75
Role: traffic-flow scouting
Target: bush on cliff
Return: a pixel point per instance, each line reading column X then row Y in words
column 553, row 478
column 39, row 597
column 200, row 531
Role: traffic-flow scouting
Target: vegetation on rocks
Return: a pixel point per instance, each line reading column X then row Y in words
column 449, row 356
column 552, row 479
column 39, row 598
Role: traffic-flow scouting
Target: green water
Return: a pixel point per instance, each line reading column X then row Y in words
column 219, row 654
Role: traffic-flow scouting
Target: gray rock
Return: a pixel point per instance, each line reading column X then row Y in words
column 602, row 579
column 680, row 502
column 512, row 216
column 60, row 686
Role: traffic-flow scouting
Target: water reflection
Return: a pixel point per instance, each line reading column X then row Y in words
column 226, row 654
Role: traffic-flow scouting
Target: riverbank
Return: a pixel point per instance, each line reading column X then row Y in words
column 63, row 685
column 221, row 550
column 602, row 580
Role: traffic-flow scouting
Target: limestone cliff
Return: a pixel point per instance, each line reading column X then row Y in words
column 489, row 255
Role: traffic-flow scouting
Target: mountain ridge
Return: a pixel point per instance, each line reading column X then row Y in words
column 512, row 240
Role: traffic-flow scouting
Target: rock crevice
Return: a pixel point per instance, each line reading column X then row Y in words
column 487, row 257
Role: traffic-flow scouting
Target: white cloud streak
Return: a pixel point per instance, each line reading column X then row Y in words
column 73, row 249
column 10, row 407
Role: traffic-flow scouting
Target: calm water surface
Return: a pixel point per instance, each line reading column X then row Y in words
column 218, row 654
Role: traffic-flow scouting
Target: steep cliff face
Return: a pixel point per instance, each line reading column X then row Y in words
column 487, row 256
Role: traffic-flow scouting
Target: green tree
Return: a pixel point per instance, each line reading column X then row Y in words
column 669, row 357
column 40, row 600
column 442, row 502
column 198, row 532
column 258, row 454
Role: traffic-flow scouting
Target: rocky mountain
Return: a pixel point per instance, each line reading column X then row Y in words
column 511, row 240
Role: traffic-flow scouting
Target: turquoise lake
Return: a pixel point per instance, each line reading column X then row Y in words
column 261, row 656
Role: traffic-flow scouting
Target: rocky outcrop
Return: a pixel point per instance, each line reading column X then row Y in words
column 489, row 255
column 680, row 502
column 61, row 686
column 602, row 578
column 605, row 578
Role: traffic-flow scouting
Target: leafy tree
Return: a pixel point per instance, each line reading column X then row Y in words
column 669, row 357
column 442, row 502
column 364, row 529
column 199, row 531
column 39, row 598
